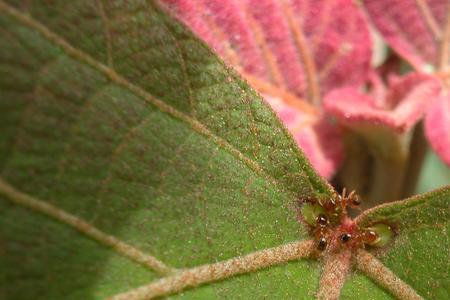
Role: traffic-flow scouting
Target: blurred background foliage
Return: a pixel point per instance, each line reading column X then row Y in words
column 434, row 174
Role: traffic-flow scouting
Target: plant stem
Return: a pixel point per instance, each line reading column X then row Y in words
column 380, row 165
column 355, row 173
column 387, row 182
column 417, row 154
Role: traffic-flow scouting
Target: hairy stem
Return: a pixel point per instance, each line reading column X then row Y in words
column 82, row 226
column 417, row 154
column 379, row 273
column 221, row 270
column 337, row 266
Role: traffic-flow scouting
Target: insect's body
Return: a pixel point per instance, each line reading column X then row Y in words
column 321, row 231
column 333, row 229
column 337, row 205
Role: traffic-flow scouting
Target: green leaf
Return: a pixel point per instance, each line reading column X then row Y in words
column 114, row 114
column 419, row 253
column 118, row 115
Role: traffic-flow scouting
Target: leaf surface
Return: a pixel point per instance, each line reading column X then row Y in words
column 415, row 29
column 437, row 127
column 420, row 32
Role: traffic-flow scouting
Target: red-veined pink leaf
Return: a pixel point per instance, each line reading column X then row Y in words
column 281, row 41
column 303, row 48
column 414, row 28
column 404, row 103
column 437, row 127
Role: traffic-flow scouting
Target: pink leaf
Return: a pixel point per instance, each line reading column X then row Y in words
column 293, row 51
column 414, row 28
column 404, row 104
column 290, row 44
column 437, row 127
column 318, row 138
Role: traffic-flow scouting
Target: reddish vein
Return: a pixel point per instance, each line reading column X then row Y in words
column 229, row 54
column 444, row 58
column 269, row 58
column 306, row 57
column 429, row 19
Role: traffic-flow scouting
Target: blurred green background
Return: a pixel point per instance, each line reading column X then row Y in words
column 434, row 174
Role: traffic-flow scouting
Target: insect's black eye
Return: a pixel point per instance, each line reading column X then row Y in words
column 322, row 244
column 345, row 237
column 322, row 220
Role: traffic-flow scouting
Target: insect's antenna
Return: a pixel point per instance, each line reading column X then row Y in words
column 320, row 202
column 343, row 200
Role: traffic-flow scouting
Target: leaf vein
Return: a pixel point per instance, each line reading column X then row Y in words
column 218, row 271
column 382, row 275
column 28, row 109
column 82, row 226
column 107, row 32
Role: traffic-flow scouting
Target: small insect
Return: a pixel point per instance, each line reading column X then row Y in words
column 321, row 231
column 338, row 204
column 377, row 235
column 369, row 236
column 314, row 215
column 310, row 211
